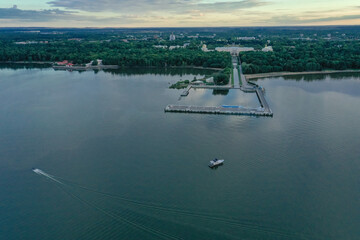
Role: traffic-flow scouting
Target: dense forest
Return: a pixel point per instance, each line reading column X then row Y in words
column 295, row 48
column 137, row 53
column 298, row 56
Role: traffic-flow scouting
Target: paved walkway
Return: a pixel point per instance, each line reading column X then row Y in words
column 229, row 110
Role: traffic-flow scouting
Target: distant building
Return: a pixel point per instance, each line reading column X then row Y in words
column 210, row 80
column 172, row 37
column 160, row 46
column 174, row 47
column 204, row 48
column 234, row 50
column 267, row 49
column 75, row 39
column 89, row 64
column 63, row 63
column 246, row 38
column 28, row 42
column 197, row 82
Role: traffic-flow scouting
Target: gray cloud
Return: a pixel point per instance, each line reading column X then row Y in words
column 290, row 19
column 51, row 15
column 230, row 6
column 346, row 17
column 33, row 15
column 145, row 6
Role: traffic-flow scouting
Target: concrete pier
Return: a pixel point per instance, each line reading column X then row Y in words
column 245, row 86
column 186, row 91
column 235, row 110
column 262, row 100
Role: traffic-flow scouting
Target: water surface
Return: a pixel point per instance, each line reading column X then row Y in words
column 293, row 176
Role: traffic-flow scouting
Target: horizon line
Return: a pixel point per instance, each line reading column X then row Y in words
column 278, row 26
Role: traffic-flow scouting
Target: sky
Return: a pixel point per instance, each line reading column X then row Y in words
column 177, row 13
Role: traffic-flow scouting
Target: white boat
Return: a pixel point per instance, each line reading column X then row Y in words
column 216, row 162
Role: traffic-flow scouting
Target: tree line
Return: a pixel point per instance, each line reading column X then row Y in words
column 298, row 56
column 130, row 54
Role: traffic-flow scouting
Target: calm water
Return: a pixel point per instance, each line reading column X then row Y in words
column 127, row 170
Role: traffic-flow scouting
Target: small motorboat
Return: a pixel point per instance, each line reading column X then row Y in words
column 216, row 162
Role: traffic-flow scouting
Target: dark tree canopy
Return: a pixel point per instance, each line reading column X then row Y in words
column 298, row 56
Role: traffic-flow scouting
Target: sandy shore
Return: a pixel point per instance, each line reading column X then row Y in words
column 279, row 74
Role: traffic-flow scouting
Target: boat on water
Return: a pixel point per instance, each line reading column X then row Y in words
column 216, row 162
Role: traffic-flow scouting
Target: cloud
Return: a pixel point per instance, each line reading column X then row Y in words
column 18, row 15
column 230, row 6
column 338, row 18
column 33, row 15
column 146, row 6
column 291, row 19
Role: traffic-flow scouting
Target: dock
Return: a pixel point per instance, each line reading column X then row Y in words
column 239, row 83
column 186, row 91
column 262, row 100
column 219, row 110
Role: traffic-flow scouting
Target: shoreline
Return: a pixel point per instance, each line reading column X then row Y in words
column 105, row 66
column 81, row 68
column 25, row 62
column 280, row 74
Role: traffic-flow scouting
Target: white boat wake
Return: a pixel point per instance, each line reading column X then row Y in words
column 38, row 171
column 242, row 224
column 155, row 232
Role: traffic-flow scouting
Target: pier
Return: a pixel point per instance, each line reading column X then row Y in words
column 236, row 110
column 262, row 100
column 239, row 83
column 186, row 91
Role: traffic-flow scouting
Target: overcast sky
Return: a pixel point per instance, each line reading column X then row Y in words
column 177, row 13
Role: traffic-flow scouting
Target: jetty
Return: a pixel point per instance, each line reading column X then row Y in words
column 242, row 84
column 186, row 91
column 234, row 110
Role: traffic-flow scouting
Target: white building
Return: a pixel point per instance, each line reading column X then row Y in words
column 89, row 64
column 245, row 38
column 267, row 49
column 210, row 80
column 160, row 46
column 172, row 37
column 204, row 48
column 234, row 50
column 174, row 47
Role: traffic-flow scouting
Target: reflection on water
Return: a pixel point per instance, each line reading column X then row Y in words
column 220, row 92
column 172, row 71
column 208, row 97
column 345, row 83
column 127, row 166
